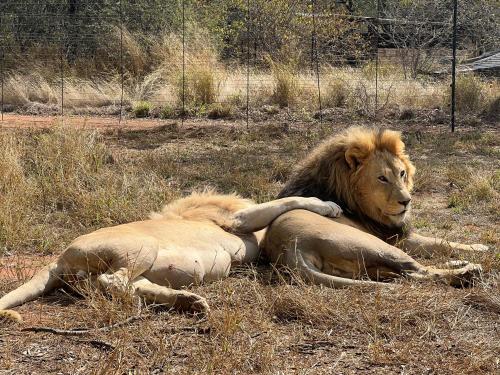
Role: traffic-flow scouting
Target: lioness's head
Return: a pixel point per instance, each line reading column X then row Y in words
column 365, row 170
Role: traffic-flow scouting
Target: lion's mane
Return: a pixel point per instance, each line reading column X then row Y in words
column 328, row 173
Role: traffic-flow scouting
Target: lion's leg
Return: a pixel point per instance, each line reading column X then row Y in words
column 453, row 276
column 179, row 299
column 389, row 260
column 427, row 247
column 259, row 216
column 376, row 257
column 330, row 247
column 311, row 273
column 121, row 282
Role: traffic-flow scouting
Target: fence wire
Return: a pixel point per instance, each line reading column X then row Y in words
column 237, row 59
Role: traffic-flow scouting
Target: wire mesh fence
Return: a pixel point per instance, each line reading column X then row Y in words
column 239, row 58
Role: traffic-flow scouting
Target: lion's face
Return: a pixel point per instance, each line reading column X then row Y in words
column 383, row 183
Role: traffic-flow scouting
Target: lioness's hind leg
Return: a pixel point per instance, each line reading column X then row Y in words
column 179, row 299
column 118, row 281
column 47, row 279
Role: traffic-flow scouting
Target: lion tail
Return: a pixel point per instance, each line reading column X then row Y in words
column 310, row 273
column 47, row 279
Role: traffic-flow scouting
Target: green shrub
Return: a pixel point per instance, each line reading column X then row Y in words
column 167, row 112
column 142, row 109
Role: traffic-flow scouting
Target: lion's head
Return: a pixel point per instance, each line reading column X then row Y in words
column 364, row 170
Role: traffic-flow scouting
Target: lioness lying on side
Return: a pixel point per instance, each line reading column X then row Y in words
column 368, row 173
column 193, row 240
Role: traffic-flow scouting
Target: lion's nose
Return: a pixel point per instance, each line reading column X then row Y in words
column 405, row 203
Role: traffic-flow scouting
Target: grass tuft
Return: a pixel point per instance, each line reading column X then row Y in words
column 469, row 94
column 286, row 87
column 220, row 111
column 142, row 109
column 336, row 93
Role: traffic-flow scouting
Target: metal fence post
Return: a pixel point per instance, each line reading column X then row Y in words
column 61, row 62
column 316, row 56
column 454, row 66
column 376, row 56
column 183, row 62
column 2, row 58
column 121, row 63
column 248, row 61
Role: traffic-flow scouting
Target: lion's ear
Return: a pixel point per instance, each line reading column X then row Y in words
column 355, row 156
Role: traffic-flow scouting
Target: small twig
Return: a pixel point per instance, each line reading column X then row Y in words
column 99, row 344
column 196, row 330
column 77, row 332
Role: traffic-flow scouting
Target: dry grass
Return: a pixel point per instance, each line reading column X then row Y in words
column 336, row 93
column 469, row 94
column 207, row 81
column 55, row 182
column 286, row 85
column 59, row 183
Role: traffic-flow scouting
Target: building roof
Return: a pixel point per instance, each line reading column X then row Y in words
column 486, row 61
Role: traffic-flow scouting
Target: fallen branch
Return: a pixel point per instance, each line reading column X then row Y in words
column 77, row 332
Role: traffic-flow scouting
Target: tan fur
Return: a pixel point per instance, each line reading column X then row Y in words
column 10, row 316
column 193, row 240
column 205, row 206
column 350, row 169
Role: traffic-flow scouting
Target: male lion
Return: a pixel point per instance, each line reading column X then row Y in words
column 368, row 173
column 195, row 239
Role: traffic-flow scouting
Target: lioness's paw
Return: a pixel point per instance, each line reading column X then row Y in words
column 455, row 264
column 200, row 306
column 473, row 269
column 8, row 317
column 324, row 208
column 336, row 211
column 191, row 302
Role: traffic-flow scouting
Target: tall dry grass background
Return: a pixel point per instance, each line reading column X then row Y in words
column 155, row 70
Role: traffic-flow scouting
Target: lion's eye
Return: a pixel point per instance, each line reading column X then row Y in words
column 383, row 179
column 403, row 173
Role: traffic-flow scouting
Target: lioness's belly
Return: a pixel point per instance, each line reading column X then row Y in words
column 172, row 253
column 192, row 253
column 180, row 267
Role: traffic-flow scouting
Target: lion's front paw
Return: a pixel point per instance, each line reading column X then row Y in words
column 454, row 264
column 479, row 247
column 335, row 210
column 465, row 276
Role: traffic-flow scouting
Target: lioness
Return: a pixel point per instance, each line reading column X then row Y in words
column 193, row 240
column 368, row 173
